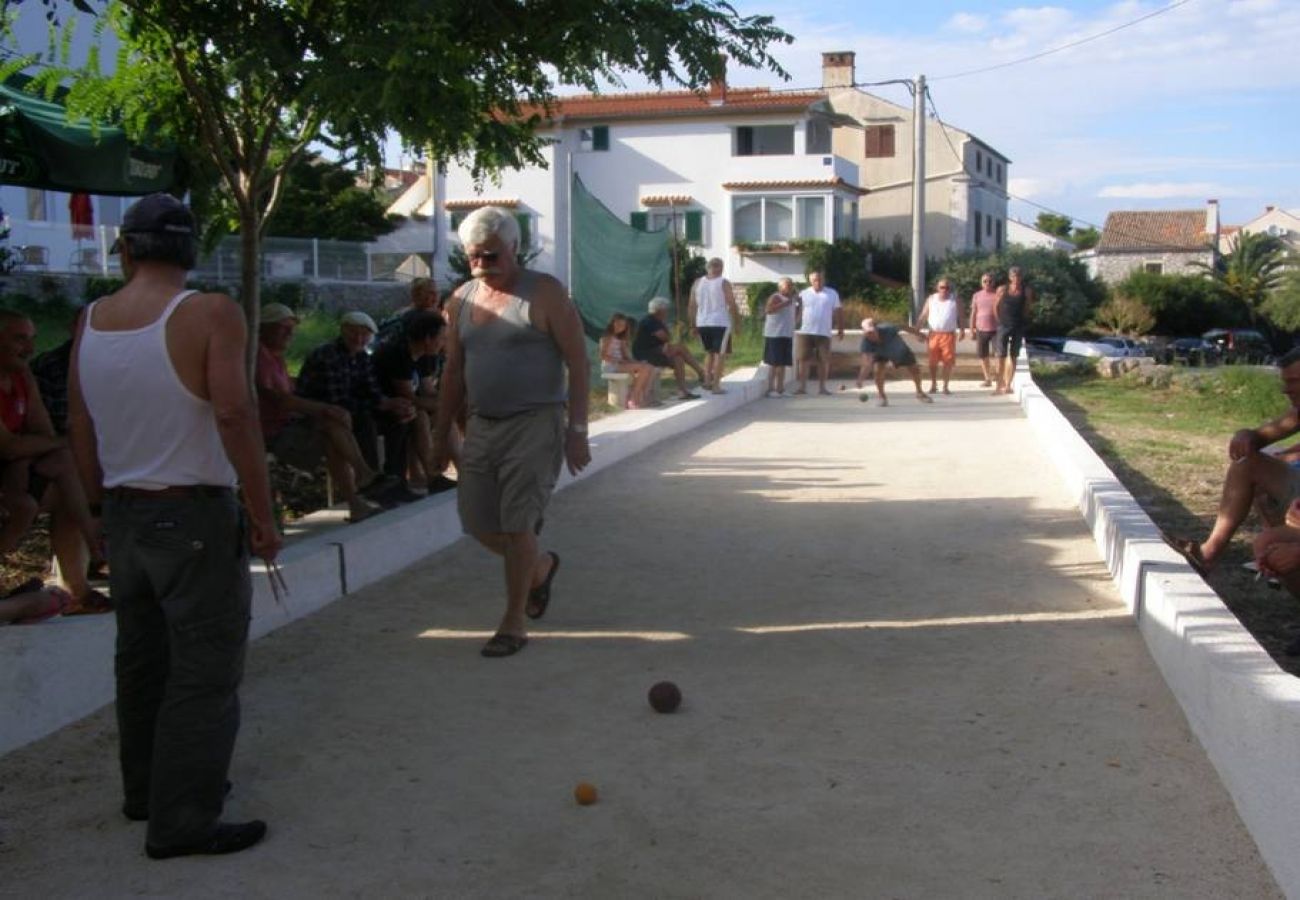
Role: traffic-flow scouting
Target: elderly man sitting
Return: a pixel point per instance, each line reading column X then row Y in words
column 300, row 432
column 342, row 373
column 653, row 344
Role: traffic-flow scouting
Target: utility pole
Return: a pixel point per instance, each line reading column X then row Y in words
column 918, row 196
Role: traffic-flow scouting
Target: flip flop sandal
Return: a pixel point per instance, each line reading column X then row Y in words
column 1188, row 550
column 540, row 597
column 501, row 644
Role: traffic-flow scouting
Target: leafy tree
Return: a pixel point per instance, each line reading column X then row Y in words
column 322, row 199
column 1283, row 306
column 244, row 87
column 1182, row 304
column 1124, row 315
column 1249, row 271
column 1065, row 295
column 1085, row 238
column 845, row 264
column 1052, row 223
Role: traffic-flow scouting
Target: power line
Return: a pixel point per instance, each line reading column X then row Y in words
column 1072, row 44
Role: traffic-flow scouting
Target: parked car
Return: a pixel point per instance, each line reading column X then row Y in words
column 1125, row 346
column 1240, row 345
column 1192, row 351
column 1093, row 349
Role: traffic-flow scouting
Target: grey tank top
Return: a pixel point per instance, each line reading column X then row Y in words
column 1011, row 311
column 510, row 366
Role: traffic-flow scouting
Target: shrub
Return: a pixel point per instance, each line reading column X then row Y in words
column 1065, row 295
column 1182, row 304
column 1124, row 315
column 98, row 286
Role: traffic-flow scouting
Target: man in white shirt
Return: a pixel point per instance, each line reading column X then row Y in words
column 819, row 312
column 712, row 311
column 941, row 315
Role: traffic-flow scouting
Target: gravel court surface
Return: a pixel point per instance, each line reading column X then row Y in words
column 906, row 674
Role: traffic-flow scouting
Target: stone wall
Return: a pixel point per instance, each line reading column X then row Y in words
column 1115, row 267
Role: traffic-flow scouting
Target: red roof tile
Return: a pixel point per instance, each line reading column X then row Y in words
column 1168, row 230
column 792, row 185
column 677, row 103
column 667, row 200
column 477, row 202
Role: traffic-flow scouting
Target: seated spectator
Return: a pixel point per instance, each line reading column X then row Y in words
column 616, row 357
column 653, row 344
column 32, row 602
column 38, row 470
column 300, row 432
column 342, row 373
column 1254, row 476
column 404, row 367
column 424, row 298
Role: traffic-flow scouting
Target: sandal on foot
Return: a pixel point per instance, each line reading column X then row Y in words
column 540, row 597
column 1190, row 551
column 501, row 644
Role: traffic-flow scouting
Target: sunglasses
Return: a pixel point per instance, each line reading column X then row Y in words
column 487, row 256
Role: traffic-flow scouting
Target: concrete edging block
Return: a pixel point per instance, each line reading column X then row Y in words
column 53, row 674
column 1241, row 706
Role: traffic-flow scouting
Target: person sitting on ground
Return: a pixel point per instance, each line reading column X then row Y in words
column 653, row 343
column 342, row 373
column 778, row 335
column 408, row 444
column 616, row 359
column 424, row 298
column 1252, row 474
column 299, row 432
column 883, row 345
column 38, row 469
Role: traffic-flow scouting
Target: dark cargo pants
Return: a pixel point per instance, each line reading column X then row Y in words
column 178, row 570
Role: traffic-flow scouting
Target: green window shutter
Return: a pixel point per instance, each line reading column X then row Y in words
column 600, row 137
column 640, row 221
column 694, row 226
column 525, row 231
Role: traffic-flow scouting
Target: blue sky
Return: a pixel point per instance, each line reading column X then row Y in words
column 1199, row 102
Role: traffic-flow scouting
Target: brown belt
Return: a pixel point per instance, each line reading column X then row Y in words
column 180, row 490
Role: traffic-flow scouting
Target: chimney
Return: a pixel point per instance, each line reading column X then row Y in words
column 838, row 69
column 1212, row 219
column 718, row 86
column 1269, row 209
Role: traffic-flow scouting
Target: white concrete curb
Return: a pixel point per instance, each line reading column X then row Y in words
column 58, row 672
column 1243, row 708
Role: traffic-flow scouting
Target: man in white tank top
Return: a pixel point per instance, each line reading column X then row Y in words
column 164, row 429
column 711, row 311
column 941, row 314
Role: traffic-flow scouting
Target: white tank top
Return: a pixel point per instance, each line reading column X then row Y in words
column 151, row 432
column 710, row 304
column 942, row 313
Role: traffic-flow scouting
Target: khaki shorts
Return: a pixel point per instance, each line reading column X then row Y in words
column 1275, row 508
column 814, row 346
column 508, row 470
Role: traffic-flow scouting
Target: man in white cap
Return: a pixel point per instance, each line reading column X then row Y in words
column 300, row 432
column 341, row 373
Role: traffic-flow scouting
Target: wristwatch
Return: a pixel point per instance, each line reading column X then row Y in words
column 577, row 429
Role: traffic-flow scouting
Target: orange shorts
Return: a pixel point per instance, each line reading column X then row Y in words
column 942, row 346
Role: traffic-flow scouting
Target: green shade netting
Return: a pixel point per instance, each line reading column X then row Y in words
column 40, row 148
column 615, row 267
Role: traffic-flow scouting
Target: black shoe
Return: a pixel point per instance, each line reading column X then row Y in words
column 440, row 484
column 403, row 494
column 380, row 485
column 141, row 813
column 227, row 838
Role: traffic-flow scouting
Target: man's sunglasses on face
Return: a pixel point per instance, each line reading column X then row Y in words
column 487, row 256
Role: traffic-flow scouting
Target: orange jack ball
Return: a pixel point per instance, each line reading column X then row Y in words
column 585, row 793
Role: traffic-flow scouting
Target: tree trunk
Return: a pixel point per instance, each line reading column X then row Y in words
column 250, row 280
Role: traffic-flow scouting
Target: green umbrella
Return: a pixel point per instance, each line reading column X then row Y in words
column 40, row 148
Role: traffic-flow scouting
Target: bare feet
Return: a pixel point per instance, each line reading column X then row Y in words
column 924, row 398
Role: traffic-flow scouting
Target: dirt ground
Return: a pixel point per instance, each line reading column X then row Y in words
column 906, row 674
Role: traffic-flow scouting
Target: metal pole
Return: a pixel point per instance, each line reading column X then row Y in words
column 918, row 196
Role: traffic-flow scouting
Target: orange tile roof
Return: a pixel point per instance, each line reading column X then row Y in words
column 793, row 185
column 667, row 200
column 1167, row 230
column 662, row 104
column 477, row 202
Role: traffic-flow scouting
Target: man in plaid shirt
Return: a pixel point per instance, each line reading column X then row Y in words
column 341, row 373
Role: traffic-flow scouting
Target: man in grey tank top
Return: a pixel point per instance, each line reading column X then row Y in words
column 514, row 333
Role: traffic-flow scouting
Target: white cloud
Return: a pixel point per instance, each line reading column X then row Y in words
column 967, row 23
column 1168, row 190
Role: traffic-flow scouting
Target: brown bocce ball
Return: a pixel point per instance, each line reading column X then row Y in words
column 665, row 697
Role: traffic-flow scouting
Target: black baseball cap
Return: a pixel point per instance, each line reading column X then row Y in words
column 159, row 213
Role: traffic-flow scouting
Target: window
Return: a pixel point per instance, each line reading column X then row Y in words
column 770, row 218
column 979, row 231
column 846, row 221
column 686, row 224
column 1155, row 268
column 979, row 161
column 999, row 173
column 817, row 137
column 997, row 236
column 35, row 205
column 988, row 225
column 595, row 138
column 990, row 168
column 764, row 140
column 880, row 141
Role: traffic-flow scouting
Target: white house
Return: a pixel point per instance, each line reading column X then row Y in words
column 1282, row 224
column 738, row 173
column 1020, row 234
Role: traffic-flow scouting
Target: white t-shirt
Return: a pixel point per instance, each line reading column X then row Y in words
column 711, row 303
column 818, row 310
column 781, row 322
column 941, row 314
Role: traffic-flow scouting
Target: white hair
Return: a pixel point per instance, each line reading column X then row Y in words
column 658, row 304
column 489, row 221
